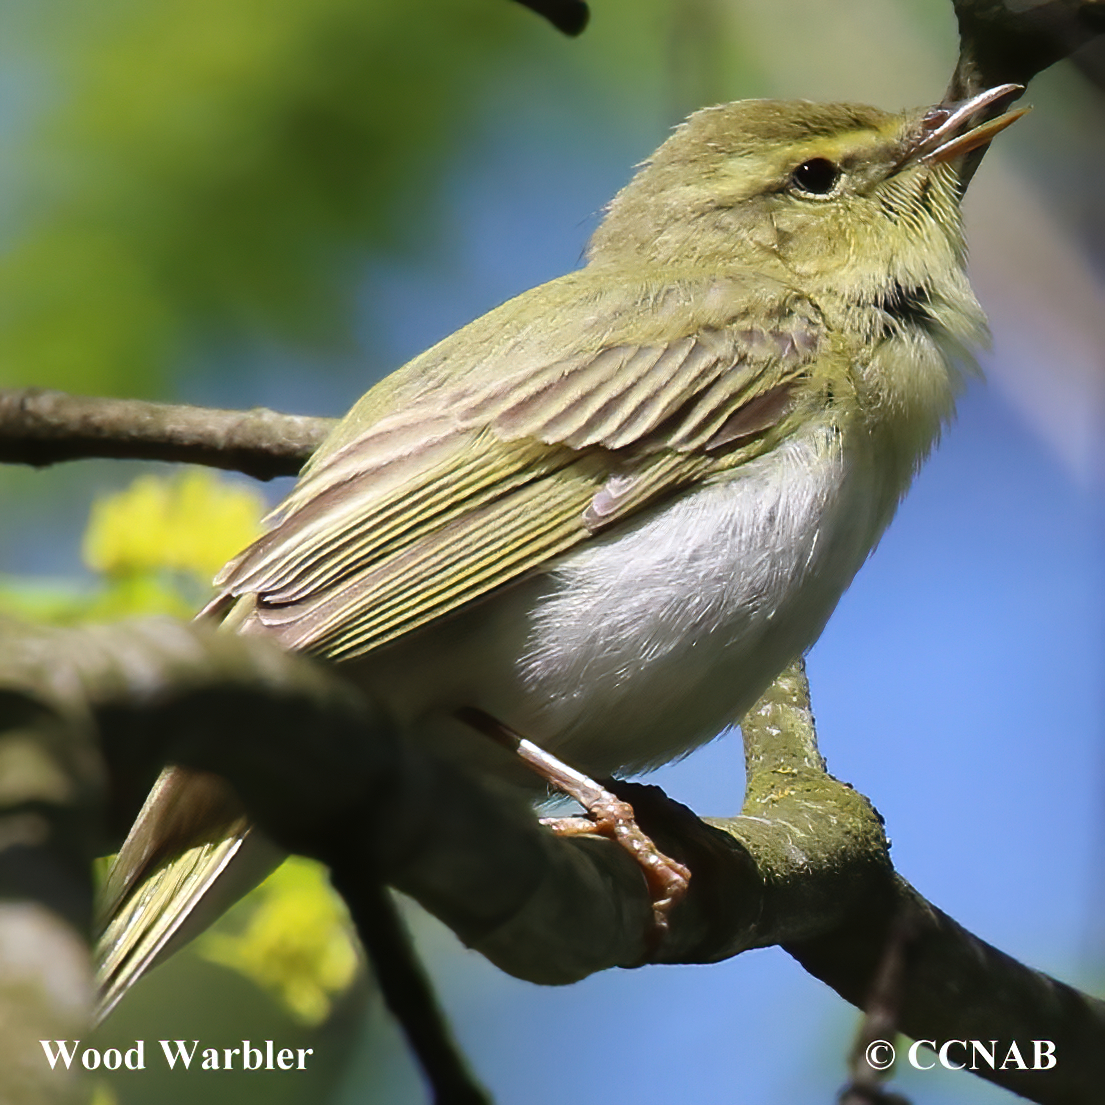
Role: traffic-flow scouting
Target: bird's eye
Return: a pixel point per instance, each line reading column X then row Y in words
column 816, row 177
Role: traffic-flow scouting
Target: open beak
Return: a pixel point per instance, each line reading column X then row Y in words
column 942, row 136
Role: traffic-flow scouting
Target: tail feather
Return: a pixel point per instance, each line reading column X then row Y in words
column 190, row 855
column 184, row 809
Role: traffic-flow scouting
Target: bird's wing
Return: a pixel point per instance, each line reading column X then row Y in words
column 501, row 449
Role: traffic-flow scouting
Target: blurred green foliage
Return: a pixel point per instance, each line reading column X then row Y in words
column 198, row 174
column 201, row 187
column 221, row 165
column 189, row 998
column 205, row 171
column 195, row 175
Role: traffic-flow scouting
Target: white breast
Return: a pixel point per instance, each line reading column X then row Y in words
column 655, row 639
column 649, row 641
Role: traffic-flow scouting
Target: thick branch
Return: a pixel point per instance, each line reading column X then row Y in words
column 805, row 864
column 822, row 846
column 40, row 427
column 1001, row 43
column 958, row 987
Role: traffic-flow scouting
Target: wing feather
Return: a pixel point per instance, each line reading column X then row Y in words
column 496, row 452
column 510, row 531
column 682, row 369
column 402, row 521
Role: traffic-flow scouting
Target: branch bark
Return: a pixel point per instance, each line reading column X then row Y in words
column 806, row 863
column 40, row 427
column 1000, row 43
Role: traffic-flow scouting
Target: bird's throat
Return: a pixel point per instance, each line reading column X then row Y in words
column 908, row 306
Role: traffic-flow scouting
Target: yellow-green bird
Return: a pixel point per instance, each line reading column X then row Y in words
column 606, row 514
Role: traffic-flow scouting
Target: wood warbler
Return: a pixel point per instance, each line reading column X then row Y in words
column 606, row 514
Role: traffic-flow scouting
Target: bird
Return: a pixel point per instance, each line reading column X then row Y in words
column 600, row 519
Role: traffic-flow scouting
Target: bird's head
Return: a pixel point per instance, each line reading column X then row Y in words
column 840, row 196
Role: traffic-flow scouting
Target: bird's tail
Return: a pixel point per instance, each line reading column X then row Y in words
column 189, row 856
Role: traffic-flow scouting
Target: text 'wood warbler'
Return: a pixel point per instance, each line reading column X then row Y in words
column 609, row 512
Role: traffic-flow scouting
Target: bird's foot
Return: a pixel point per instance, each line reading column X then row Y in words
column 608, row 815
column 667, row 878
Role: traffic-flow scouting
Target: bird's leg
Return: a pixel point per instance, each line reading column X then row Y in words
column 609, row 816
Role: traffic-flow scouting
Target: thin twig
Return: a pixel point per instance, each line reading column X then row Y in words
column 568, row 16
column 872, row 1054
column 407, row 990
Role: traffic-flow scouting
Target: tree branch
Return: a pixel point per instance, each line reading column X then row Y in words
column 90, row 714
column 1000, row 44
column 805, row 864
column 570, row 17
column 40, row 427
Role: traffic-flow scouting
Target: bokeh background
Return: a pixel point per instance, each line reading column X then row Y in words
column 235, row 203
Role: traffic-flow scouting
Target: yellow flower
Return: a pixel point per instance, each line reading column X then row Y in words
column 297, row 943
column 192, row 523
